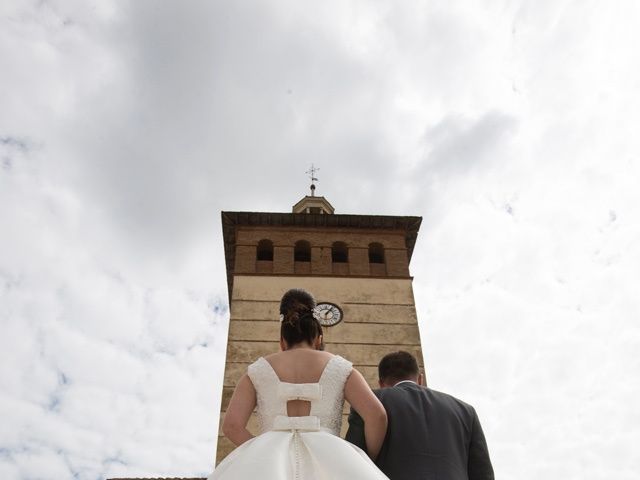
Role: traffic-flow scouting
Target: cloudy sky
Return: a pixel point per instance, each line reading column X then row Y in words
column 511, row 127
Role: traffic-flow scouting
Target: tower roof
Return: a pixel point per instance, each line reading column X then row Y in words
column 313, row 204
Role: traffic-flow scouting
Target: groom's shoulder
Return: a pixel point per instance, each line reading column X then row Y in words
column 447, row 397
column 430, row 395
column 452, row 402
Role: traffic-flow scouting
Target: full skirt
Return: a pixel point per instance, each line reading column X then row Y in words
column 282, row 455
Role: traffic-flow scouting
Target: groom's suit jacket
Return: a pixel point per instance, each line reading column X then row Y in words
column 430, row 436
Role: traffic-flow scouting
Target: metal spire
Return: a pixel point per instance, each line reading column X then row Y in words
column 312, row 174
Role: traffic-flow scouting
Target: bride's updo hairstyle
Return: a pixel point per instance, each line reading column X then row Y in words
column 298, row 324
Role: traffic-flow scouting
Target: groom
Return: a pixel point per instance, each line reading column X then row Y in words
column 431, row 435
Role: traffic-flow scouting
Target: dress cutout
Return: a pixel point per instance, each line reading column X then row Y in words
column 326, row 404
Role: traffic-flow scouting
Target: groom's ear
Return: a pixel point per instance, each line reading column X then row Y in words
column 421, row 380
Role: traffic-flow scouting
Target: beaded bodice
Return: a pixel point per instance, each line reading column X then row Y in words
column 326, row 396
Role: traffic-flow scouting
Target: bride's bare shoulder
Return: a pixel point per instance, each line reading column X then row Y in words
column 306, row 352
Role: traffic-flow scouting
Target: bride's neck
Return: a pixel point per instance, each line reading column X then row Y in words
column 300, row 346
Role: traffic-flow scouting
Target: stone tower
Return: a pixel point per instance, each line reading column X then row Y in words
column 359, row 262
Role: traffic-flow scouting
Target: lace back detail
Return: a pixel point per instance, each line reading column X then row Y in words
column 266, row 382
column 332, row 382
column 326, row 396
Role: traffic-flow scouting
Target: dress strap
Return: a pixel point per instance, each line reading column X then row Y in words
column 336, row 372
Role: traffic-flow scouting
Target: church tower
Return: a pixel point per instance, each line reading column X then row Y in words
column 360, row 263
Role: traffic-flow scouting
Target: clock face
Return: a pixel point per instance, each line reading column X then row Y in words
column 328, row 314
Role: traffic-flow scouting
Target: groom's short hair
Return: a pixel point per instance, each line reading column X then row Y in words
column 398, row 366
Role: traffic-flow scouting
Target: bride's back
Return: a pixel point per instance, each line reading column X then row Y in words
column 300, row 365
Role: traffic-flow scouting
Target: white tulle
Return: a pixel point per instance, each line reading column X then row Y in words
column 298, row 448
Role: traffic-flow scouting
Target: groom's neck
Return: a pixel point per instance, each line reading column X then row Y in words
column 392, row 382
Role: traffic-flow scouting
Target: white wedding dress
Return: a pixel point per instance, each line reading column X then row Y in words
column 298, row 448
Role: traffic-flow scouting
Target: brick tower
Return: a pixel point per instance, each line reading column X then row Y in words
column 359, row 262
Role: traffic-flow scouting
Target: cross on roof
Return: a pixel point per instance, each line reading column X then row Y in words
column 312, row 174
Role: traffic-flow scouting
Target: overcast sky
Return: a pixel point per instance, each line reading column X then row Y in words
column 127, row 126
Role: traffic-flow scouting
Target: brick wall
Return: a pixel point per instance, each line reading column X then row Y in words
column 357, row 241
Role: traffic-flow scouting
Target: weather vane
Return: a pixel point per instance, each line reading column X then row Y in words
column 312, row 174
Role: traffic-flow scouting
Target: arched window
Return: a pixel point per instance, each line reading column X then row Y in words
column 265, row 251
column 339, row 252
column 376, row 253
column 302, row 251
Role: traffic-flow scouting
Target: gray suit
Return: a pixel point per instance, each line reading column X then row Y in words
column 430, row 436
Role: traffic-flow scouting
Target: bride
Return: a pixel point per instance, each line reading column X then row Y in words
column 299, row 394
